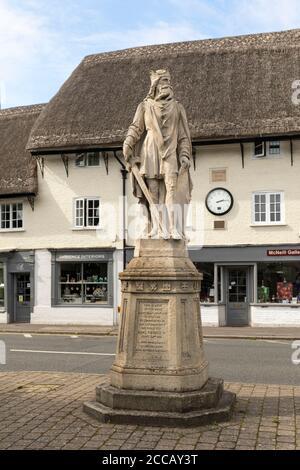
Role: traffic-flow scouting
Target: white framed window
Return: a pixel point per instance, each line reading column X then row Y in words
column 274, row 147
column 263, row 149
column 86, row 212
column 259, row 149
column 268, row 208
column 11, row 216
column 87, row 159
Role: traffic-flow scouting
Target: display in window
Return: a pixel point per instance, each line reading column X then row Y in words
column 285, row 291
column 83, row 283
column 263, row 294
column 282, row 279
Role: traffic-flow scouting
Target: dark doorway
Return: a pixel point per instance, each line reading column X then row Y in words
column 22, row 302
column 237, row 296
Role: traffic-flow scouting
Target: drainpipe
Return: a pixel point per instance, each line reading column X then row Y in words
column 124, row 178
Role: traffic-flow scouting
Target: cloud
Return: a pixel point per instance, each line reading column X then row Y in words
column 230, row 17
column 29, row 48
column 267, row 15
column 41, row 42
column 159, row 33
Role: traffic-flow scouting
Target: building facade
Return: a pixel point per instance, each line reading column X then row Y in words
column 66, row 199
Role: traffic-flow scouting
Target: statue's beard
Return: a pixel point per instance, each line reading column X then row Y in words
column 165, row 93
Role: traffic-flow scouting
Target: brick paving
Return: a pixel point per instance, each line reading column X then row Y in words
column 43, row 410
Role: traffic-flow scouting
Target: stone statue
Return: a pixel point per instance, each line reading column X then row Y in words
column 160, row 373
column 157, row 150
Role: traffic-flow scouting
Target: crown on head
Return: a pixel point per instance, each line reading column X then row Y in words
column 157, row 74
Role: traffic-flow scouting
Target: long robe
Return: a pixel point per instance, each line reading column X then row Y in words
column 159, row 137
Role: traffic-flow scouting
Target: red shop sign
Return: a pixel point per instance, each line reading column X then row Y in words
column 289, row 252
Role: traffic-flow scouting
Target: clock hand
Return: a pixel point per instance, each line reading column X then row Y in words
column 222, row 200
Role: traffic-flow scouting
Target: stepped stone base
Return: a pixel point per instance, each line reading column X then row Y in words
column 160, row 373
column 152, row 408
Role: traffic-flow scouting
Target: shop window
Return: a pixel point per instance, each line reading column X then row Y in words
column 87, row 212
column 83, row 283
column 279, row 282
column 207, row 292
column 1, row 286
column 87, row 159
column 11, row 216
column 268, row 208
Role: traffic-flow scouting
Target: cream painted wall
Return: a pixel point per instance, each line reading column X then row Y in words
column 271, row 173
column 51, row 223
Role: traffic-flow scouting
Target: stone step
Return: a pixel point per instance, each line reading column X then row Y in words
column 222, row 412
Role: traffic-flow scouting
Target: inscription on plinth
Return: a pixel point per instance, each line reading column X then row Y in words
column 152, row 326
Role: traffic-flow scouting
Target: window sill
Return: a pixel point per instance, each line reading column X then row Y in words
column 269, row 224
column 82, row 306
column 276, row 156
column 10, row 230
column 271, row 304
column 83, row 229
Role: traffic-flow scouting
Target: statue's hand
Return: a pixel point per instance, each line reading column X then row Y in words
column 185, row 163
column 128, row 165
column 127, row 152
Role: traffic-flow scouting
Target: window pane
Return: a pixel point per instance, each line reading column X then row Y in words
column 19, row 215
column 79, row 220
column 93, row 159
column 80, row 159
column 274, row 147
column 207, row 284
column 5, row 216
column 259, row 148
column 95, row 283
column 11, row 216
column 70, row 283
column 93, row 212
column 279, row 282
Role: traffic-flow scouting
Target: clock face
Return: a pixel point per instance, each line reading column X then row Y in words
column 219, row 201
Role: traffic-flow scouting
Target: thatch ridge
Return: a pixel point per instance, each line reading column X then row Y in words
column 233, row 87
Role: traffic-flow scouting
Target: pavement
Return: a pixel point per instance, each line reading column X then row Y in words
column 247, row 332
column 43, row 410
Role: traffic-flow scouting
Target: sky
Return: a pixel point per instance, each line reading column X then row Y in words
column 42, row 41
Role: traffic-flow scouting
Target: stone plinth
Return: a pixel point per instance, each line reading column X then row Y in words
column 160, row 367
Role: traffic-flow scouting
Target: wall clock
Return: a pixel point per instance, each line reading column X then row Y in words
column 219, row 201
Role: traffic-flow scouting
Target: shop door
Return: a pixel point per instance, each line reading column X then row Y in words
column 22, row 298
column 237, row 296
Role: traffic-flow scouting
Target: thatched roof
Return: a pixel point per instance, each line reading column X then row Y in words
column 18, row 173
column 231, row 88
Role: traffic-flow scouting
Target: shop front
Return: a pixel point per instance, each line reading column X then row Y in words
column 250, row 285
column 75, row 286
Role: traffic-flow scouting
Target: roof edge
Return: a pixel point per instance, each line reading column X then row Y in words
column 22, row 110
